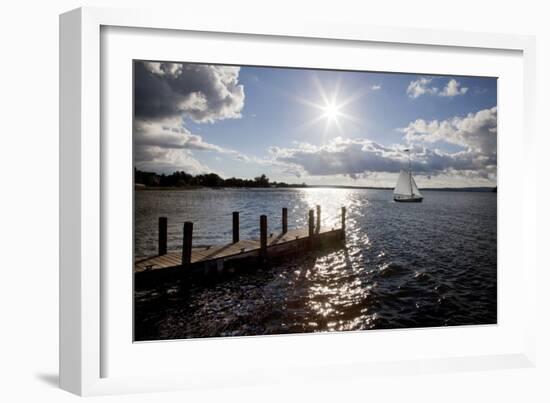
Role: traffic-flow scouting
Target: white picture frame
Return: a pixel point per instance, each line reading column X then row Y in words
column 83, row 164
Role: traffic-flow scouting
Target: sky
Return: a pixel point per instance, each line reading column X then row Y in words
column 319, row 127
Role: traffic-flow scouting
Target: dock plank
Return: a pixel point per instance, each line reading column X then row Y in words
column 172, row 259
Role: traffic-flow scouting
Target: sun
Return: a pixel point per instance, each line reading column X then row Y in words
column 331, row 111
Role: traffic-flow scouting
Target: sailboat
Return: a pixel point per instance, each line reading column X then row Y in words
column 406, row 189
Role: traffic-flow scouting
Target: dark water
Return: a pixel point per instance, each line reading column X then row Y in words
column 404, row 265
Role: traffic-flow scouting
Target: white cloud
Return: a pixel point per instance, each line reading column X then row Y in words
column 355, row 158
column 166, row 96
column 453, row 89
column 163, row 160
column 163, row 69
column 476, row 132
column 422, row 86
column 166, row 134
column 376, row 87
column 162, row 146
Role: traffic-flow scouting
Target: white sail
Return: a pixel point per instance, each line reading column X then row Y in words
column 415, row 190
column 406, row 189
column 404, row 184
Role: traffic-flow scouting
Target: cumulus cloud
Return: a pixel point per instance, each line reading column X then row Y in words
column 202, row 93
column 376, row 87
column 340, row 156
column 165, row 147
column 420, row 87
column 169, row 95
column 423, row 86
column 361, row 156
column 164, row 135
column 475, row 133
column 163, row 160
column 452, row 89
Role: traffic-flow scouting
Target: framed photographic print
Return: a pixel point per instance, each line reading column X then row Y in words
column 235, row 201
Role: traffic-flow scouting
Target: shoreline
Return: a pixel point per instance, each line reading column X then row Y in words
column 138, row 188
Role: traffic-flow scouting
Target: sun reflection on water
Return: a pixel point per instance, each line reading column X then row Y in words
column 338, row 295
column 331, row 201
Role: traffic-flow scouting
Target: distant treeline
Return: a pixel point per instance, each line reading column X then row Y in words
column 468, row 189
column 184, row 179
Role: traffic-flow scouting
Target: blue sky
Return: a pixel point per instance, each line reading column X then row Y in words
column 315, row 126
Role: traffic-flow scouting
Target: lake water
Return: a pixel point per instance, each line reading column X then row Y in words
column 405, row 264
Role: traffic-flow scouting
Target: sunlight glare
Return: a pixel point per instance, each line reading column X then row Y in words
column 331, row 111
column 332, row 108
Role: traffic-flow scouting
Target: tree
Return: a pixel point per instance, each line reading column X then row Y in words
column 262, row 181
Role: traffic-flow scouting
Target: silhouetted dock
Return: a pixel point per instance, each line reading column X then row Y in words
column 217, row 258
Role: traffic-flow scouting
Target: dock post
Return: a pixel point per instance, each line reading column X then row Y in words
column 263, row 236
column 343, row 222
column 163, row 235
column 311, row 225
column 235, row 226
column 318, row 226
column 285, row 220
column 187, row 244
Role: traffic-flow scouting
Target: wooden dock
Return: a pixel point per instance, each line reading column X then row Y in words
column 216, row 258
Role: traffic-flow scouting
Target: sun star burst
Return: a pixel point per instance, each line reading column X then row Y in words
column 332, row 109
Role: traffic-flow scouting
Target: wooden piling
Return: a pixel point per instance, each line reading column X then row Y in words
column 311, row 229
column 263, row 236
column 343, row 222
column 311, row 223
column 318, row 226
column 163, row 235
column 187, row 244
column 235, row 226
column 285, row 220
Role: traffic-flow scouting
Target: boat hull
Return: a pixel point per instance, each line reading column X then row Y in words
column 408, row 199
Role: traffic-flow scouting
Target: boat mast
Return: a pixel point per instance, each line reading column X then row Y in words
column 408, row 151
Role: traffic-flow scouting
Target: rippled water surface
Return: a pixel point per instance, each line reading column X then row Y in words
column 405, row 264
